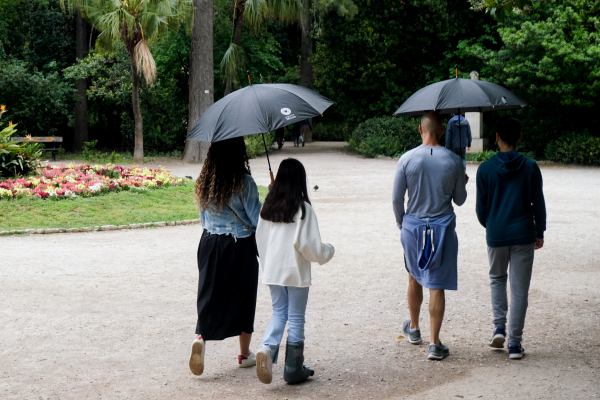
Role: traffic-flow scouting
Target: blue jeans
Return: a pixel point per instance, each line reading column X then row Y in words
column 289, row 304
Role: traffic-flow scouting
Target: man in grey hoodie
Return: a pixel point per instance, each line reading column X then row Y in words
column 511, row 206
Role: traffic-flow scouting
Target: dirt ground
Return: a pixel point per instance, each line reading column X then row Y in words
column 112, row 314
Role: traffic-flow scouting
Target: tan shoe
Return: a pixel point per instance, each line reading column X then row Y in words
column 264, row 365
column 197, row 356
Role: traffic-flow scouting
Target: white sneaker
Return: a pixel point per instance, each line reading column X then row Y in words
column 245, row 362
column 197, row 356
column 264, row 365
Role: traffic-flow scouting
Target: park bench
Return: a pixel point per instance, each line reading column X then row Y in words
column 43, row 139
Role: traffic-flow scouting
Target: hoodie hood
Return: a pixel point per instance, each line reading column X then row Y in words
column 508, row 164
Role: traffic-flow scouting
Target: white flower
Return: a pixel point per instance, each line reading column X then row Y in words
column 96, row 187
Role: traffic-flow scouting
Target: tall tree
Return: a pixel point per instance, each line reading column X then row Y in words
column 345, row 8
column 201, row 75
column 81, row 120
column 254, row 12
column 307, row 44
column 234, row 55
column 135, row 23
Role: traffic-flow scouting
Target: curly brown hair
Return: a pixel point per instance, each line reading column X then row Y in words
column 222, row 175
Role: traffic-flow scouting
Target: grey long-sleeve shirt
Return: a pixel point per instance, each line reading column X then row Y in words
column 434, row 177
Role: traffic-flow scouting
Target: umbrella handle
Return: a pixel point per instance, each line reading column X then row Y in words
column 269, row 161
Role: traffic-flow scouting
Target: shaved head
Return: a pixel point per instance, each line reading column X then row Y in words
column 431, row 122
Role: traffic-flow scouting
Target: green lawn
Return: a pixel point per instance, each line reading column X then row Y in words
column 122, row 208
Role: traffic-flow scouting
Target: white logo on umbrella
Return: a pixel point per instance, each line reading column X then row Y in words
column 286, row 111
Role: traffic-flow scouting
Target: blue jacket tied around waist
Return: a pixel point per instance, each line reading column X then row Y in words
column 428, row 244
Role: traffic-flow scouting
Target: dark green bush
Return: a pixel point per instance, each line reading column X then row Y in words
column 576, row 147
column 332, row 132
column 40, row 102
column 386, row 136
column 255, row 146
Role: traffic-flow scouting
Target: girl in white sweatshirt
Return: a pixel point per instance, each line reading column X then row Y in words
column 288, row 241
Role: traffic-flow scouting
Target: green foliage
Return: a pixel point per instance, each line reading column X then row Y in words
column 501, row 9
column 386, row 136
column 41, row 102
column 576, row 147
column 164, row 104
column 89, row 151
column 38, row 33
column 372, row 63
column 232, row 63
column 331, row 131
column 255, row 146
column 481, row 156
column 17, row 158
column 550, row 57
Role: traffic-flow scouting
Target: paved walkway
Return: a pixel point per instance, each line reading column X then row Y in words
column 112, row 314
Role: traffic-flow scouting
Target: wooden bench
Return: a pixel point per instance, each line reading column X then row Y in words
column 42, row 139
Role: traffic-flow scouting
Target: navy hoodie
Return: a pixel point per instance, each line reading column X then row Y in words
column 510, row 200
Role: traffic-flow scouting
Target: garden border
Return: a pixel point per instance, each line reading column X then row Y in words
column 100, row 228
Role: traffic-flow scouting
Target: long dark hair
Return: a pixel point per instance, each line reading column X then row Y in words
column 288, row 193
column 222, row 174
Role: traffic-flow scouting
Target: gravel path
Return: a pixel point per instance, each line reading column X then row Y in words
column 112, row 314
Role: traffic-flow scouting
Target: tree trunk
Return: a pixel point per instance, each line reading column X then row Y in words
column 201, row 79
column 81, row 120
column 306, row 73
column 237, row 37
column 138, row 150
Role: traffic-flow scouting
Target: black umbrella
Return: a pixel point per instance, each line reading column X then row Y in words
column 456, row 95
column 257, row 109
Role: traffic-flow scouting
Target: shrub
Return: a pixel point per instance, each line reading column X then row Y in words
column 481, row 156
column 41, row 102
column 17, row 158
column 386, row 136
column 332, row 132
column 575, row 147
column 255, row 146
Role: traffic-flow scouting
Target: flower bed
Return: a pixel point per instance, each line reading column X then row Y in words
column 70, row 181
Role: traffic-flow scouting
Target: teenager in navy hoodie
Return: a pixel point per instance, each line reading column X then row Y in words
column 510, row 205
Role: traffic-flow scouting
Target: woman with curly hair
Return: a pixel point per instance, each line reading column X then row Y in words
column 227, row 255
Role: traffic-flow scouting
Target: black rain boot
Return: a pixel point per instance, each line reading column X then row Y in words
column 295, row 370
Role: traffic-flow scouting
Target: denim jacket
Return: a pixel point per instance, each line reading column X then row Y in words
column 223, row 222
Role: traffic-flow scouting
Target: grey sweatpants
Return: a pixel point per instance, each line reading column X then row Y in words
column 520, row 259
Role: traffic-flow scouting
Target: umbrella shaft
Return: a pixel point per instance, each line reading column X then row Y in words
column 268, row 161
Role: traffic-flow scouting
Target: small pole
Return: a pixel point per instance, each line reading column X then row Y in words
column 249, row 79
column 269, row 161
column 459, row 135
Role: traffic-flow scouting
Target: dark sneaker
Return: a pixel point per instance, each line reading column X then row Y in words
column 415, row 336
column 515, row 351
column 499, row 337
column 438, row 352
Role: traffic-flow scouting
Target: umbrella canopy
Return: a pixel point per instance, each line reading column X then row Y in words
column 460, row 95
column 257, row 108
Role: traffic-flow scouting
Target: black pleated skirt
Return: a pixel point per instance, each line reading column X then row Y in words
column 227, row 286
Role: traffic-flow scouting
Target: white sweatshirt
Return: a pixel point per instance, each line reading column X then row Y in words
column 286, row 250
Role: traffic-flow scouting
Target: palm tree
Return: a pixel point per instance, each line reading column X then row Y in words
column 135, row 23
column 254, row 12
